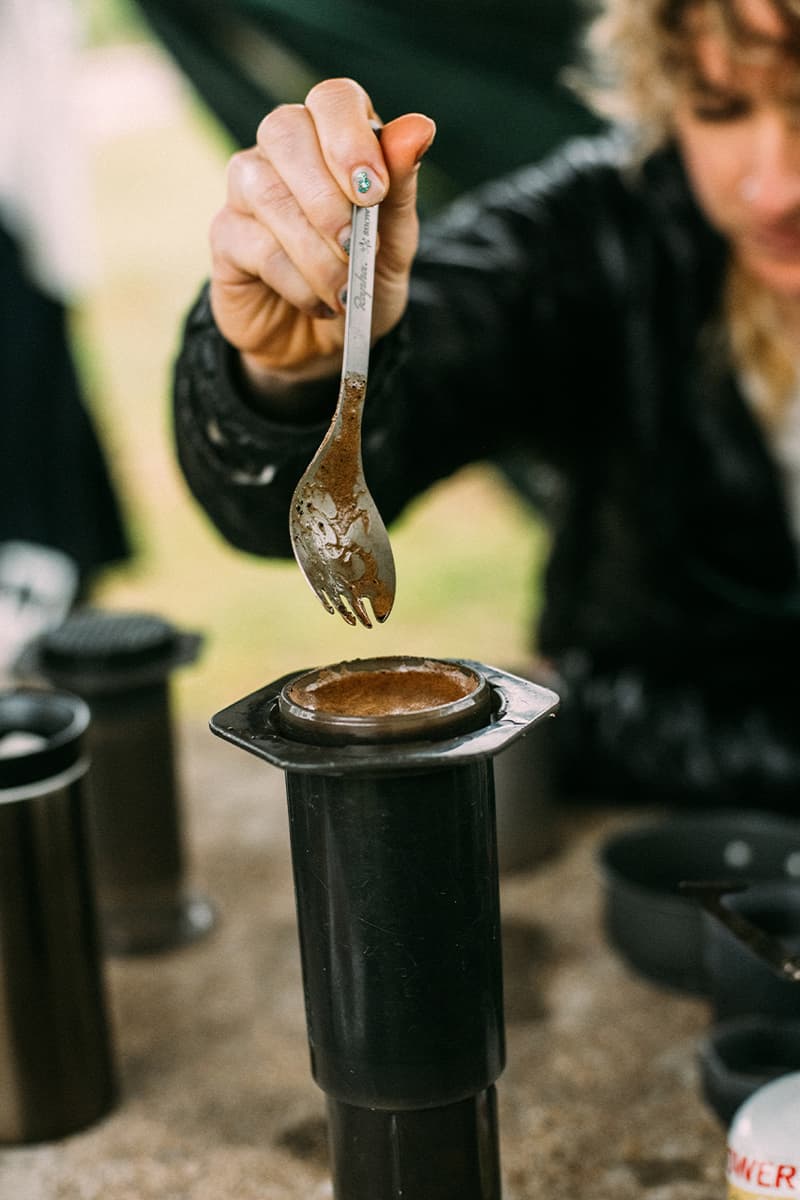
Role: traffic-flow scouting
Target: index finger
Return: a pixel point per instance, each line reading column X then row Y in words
column 345, row 123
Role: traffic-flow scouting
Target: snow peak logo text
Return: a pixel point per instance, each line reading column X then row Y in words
column 360, row 276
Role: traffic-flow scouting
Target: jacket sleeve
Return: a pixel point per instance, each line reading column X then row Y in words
column 510, row 309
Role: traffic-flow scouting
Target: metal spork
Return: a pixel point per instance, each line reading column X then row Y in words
column 339, row 540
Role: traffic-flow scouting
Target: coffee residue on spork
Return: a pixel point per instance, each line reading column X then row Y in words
column 331, row 515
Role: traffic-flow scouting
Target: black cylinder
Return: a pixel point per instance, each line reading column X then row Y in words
column 136, row 819
column 394, row 853
column 56, row 1071
column 121, row 663
column 398, row 910
column 447, row 1153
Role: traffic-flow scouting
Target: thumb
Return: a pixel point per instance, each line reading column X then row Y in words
column 404, row 142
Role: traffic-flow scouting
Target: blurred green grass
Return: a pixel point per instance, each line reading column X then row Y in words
column 466, row 553
column 109, row 22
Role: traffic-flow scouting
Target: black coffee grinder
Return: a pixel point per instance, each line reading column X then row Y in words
column 390, row 791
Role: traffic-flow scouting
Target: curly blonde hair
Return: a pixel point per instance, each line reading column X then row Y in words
column 638, row 54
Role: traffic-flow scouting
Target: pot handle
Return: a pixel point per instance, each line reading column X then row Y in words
column 765, row 946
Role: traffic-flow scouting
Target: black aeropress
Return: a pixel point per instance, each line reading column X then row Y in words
column 120, row 663
column 390, row 792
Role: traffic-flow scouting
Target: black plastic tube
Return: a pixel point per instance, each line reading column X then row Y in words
column 447, row 1153
column 398, row 912
column 398, row 915
column 121, row 665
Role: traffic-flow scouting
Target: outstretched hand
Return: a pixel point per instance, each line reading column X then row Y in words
column 279, row 245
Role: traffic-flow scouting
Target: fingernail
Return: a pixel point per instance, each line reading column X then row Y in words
column 343, row 297
column 364, row 181
column 344, row 239
column 426, row 147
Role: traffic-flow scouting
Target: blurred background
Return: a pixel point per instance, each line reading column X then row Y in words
column 465, row 553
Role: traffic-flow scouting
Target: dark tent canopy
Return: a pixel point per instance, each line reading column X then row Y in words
column 486, row 70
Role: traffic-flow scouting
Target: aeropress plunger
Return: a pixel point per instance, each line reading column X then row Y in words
column 121, row 664
column 390, row 792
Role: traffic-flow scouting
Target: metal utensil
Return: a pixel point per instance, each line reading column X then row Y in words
column 765, row 946
column 339, row 540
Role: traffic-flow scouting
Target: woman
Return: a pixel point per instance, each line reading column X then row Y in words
column 628, row 313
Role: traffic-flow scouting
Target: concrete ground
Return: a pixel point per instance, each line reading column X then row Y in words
column 599, row 1099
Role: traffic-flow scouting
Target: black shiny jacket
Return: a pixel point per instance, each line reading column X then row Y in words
column 571, row 313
